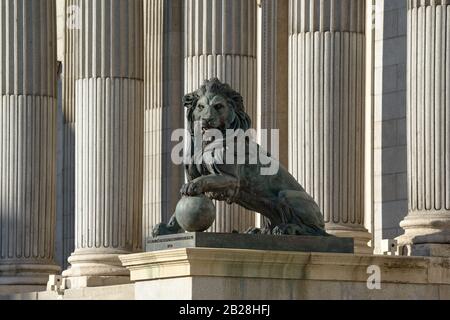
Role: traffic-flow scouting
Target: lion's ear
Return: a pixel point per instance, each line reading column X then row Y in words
column 190, row 100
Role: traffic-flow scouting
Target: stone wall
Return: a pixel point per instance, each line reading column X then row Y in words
column 390, row 165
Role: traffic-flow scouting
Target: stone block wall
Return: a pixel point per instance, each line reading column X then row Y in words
column 389, row 122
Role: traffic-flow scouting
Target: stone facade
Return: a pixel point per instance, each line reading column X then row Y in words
column 91, row 93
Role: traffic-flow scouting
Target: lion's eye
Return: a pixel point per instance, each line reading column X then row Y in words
column 200, row 107
column 219, row 106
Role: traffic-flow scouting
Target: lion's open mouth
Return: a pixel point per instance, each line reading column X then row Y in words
column 208, row 132
column 205, row 129
column 207, row 126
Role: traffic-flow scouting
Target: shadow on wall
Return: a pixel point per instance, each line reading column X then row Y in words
column 393, row 148
column 65, row 185
column 160, row 207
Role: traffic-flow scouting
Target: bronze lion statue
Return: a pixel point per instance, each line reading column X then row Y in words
column 288, row 209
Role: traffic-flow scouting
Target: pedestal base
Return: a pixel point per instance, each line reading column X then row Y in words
column 233, row 274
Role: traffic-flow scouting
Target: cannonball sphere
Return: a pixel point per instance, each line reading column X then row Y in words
column 195, row 214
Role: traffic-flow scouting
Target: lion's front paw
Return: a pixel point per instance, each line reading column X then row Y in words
column 191, row 189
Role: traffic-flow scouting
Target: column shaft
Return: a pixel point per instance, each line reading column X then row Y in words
column 27, row 141
column 326, row 110
column 427, row 226
column 108, row 137
column 221, row 42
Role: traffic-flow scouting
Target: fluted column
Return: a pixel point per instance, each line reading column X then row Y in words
column 326, row 110
column 427, row 226
column 163, row 81
column 27, row 141
column 221, row 42
column 108, row 138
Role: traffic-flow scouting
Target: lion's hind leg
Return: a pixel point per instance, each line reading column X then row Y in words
column 301, row 214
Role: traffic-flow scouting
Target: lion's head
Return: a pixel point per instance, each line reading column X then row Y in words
column 217, row 106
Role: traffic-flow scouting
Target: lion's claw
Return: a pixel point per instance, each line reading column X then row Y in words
column 191, row 189
column 288, row 229
column 253, row 231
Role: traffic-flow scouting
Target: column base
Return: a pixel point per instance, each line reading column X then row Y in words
column 16, row 273
column 95, row 267
column 360, row 235
column 424, row 250
column 426, row 234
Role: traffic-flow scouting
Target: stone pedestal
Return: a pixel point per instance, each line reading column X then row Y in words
column 108, row 141
column 220, row 41
column 235, row 274
column 27, row 142
column 251, row 241
column 327, row 108
column 427, row 226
